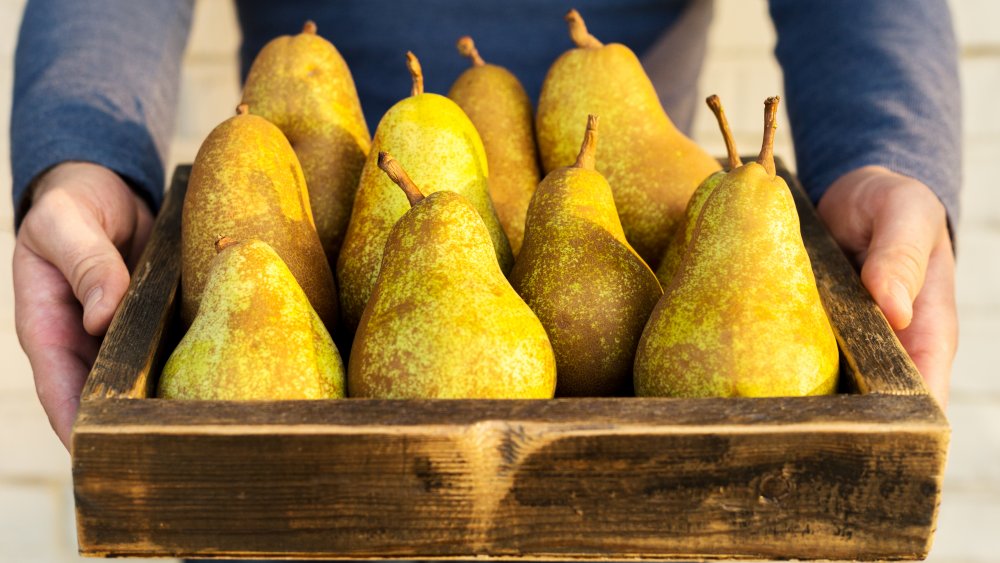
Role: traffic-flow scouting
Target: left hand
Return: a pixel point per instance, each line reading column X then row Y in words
column 895, row 228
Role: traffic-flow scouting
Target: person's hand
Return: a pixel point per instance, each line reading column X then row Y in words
column 83, row 225
column 895, row 228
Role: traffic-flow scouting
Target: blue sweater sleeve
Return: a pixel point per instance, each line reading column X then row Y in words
column 872, row 82
column 97, row 81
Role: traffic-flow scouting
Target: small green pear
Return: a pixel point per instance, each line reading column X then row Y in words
column 443, row 151
column 591, row 290
column 651, row 166
column 246, row 182
column 443, row 322
column 302, row 84
column 742, row 317
column 684, row 231
column 498, row 106
column 255, row 337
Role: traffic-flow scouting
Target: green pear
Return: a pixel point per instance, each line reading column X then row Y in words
column 443, row 151
column 246, row 182
column 443, row 321
column 577, row 272
column 498, row 106
column 651, row 166
column 682, row 234
column 302, row 84
column 742, row 317
column 256, row 337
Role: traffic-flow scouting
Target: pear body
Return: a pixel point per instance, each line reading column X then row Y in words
column 501, row 111
column 589, row 288
column 441, row 149
column 651, row 166
column 685, row 229
column 742, row 316
column 246, row 183
column 256, row 337
column 302, row 84
column 443, row 322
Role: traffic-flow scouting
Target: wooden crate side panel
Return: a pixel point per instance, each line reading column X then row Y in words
column 134, row 342
column 509, row 488
column 876, row 361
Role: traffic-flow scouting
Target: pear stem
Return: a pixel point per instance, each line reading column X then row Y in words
column 586, row 158
column 242, row 109
column 578, row 31
column 413, row 65
column 766, row 156
column 394, row 170
column 309, row 27
column 223, row 242
column 715, row 104
column 467, row 48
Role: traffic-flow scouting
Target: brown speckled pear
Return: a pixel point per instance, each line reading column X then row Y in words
column 651, row 166
column 682, row 234
column 742, row 317
column 442, row 151
column 302, row 84
column 256, row 337
column 577, row 272
column 246, row 182
column 443, row 322
column 498, row 106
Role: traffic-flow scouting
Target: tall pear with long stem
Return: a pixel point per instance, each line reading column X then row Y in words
column 442, row 150
column 742, row 316
column 651, row 166
column 577, row 272
column 443, row 321
column 682, row 234
column 498, row 106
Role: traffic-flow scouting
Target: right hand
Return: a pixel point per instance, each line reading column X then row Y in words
column 70, row 274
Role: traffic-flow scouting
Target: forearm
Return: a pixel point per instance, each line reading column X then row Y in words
column 97, row 81
column 872, row 82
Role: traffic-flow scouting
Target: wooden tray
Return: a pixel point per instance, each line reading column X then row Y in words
column 852, row 476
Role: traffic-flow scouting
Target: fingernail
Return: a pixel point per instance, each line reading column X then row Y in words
column 93, row 298
column 902, row 298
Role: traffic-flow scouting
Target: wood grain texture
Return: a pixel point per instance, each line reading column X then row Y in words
column 853, row 476
column 133, row 343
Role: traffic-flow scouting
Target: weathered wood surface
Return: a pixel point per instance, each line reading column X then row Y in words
column 851, row 477
column 847, row 477
column 132, row 346
column 875, row 360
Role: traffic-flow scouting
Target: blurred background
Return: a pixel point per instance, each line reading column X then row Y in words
column 36, row 500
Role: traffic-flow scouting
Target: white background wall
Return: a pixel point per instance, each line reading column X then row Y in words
column 36, row 503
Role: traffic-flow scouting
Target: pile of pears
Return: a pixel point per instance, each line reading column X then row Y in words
column 477, row 248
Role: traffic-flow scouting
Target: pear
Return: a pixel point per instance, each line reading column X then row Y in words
column 682, row 234
column 443, row 322
column 302, row 84
column 742, row 317
column 443, row 151
column 246, row 182
column 577, row 272
column 498, row 106
column 255, row 336
column 651, row 166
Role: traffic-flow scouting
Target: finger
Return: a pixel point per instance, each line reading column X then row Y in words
column 47, row 317
column 932, row 338
column 143, row 228
column 896, row 261
column 72, row 239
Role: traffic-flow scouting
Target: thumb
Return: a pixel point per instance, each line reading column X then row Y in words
column 70, row 236
column 896, row 262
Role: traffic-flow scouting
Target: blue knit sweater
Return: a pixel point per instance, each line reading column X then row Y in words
column 866, row 81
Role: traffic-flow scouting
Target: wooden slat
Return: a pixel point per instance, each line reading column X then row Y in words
column 876, row 361
column 853, row 477
column 133, row 342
